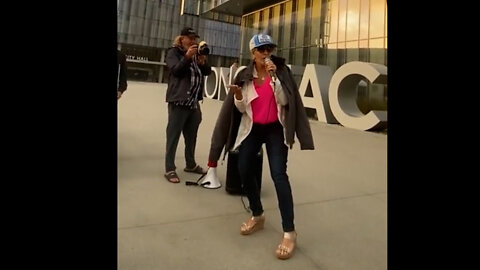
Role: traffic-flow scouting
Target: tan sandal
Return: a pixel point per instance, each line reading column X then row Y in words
column 286, row 248
column 252, row 225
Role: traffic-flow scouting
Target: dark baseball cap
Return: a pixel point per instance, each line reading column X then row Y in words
column 188, row 31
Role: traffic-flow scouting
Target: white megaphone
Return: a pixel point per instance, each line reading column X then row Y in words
column 211, row 180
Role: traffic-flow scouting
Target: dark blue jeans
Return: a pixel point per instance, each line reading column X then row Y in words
column 277, row 152
column 182, row 120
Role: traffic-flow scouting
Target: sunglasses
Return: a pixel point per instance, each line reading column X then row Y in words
column 267, row 48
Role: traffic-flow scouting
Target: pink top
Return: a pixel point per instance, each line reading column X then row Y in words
column 264, row 107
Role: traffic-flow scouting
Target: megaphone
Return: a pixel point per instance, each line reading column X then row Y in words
column 211, row 180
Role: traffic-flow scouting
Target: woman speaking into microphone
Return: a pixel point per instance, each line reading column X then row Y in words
column 272, row 113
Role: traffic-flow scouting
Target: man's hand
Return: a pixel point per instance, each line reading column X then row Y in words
column 192, row 50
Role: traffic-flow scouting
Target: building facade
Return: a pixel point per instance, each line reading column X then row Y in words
column 323, row 32
column 146, row 28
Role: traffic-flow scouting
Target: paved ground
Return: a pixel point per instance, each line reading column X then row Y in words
column 339, row 192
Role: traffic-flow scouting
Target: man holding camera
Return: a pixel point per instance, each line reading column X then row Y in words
column 187, row 64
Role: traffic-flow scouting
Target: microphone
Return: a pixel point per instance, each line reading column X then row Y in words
column 271, row 72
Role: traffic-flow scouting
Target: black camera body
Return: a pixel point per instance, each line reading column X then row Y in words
column 203, row 48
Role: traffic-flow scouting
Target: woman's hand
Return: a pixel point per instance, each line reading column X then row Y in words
column 237, row 91
column 269, row 65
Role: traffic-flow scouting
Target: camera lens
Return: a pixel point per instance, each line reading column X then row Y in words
column 203, row 48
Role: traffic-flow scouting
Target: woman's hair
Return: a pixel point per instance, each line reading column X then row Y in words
column 177, row 42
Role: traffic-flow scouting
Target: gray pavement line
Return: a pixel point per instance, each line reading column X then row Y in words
column 379, row 193
column 243, row 212
column 342, row 198
column 194, row 219
column 180, row 221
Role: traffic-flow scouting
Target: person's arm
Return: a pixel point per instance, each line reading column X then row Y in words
column 238, row 97
column 205, row 68
column 279, row 93
column 122, row 76
column 177, row 64
column 122, row 84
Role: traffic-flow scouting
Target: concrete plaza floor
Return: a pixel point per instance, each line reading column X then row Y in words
column 339, row 189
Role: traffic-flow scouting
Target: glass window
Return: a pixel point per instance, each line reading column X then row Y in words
column 386, row 18
column 275, row 13
column 301, row 23
column 287, row 24
column 308, row 24
column 285, row 54
column 263, row 21
column 363, row 43
column 377, row 18
column 351, row 44
column 314, row 56
column 341, row 54
column 281, row 26
column 363, row 54
column 353, row 19
column 270, row 22
column 293, row 22
column 377, row 52
column 352, row 51
column 298, row 58
column 364, row 18
column 315, row 22
column 376, row 43
column 306, row 56
column 256, row 22
column 342, row 19
column 333, row 21
column 332, row 56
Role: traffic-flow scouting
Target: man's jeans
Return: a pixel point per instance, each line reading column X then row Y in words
column 182, row 119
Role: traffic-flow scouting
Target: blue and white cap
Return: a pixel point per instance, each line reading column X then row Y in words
column 260, row 40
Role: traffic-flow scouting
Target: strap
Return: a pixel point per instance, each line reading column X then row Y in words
column 191, row 183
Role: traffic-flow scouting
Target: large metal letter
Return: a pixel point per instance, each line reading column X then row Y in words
column 343, row 95
column 209, row 83
column 222, row 85
column 319, row 78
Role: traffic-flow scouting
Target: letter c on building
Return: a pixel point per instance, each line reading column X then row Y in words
column 343, row 95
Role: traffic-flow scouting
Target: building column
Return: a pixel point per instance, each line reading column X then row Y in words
column 162, row 60
column 160, row 74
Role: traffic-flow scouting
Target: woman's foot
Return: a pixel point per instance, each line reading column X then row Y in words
column 287, row 246
column 252, row 225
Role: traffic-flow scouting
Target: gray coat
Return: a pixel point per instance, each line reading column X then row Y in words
column 296, row 120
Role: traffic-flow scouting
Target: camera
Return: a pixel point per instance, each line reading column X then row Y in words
column 203, row 48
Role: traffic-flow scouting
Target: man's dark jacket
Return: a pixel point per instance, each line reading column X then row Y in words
column 179, row 78
column 296, row 120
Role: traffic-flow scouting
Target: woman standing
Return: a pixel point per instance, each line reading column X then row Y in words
column 270, row 111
